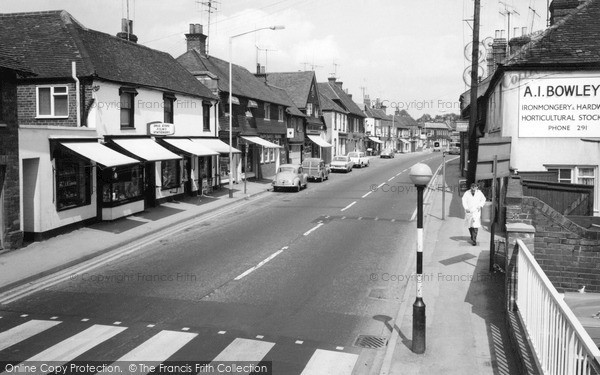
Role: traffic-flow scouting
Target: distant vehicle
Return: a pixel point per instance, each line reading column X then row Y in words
column 437, row 146
column 316, row 169
column 290, row 176
column 454, row 149
column 359, row 159
column 341, row 163
column 388, row 153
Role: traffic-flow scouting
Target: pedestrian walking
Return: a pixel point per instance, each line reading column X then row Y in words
column 473, row 201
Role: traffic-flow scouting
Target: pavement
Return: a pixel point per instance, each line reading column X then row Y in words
column 466, row 330
column 466, row 321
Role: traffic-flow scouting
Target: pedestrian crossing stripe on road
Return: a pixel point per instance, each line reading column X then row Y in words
column 164, row 345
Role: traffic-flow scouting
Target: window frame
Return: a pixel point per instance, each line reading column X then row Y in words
column 176, row 183
column 169, row 100
column 267, row 107
column 52, row 103
column 130, row 110
column 206, row 116
column 113, row 177
column 280, row 113
column 82, row 181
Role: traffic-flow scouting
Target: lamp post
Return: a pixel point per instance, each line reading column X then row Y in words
column 420, row 175
column 231, row 101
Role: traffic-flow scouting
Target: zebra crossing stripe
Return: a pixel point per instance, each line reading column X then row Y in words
column 244, row 350
column 24, row 331
column 159, row 347
column 74, row 346
column 331, row 363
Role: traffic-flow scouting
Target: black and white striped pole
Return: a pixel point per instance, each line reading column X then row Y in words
column 420, row 174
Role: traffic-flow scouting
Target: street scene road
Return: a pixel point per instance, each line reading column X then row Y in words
column 314, row 269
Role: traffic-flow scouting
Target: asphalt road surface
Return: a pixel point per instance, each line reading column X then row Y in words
column 294, row 278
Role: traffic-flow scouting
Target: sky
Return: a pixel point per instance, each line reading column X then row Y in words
column 408, row 53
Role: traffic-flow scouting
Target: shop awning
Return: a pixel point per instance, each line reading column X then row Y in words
column 261, row 142
column 403, row 140
column 189, row 147
column 216, row 145
column 146, row 149
column 374, row 139
column 252, row 104
column 234, row 100
column 99, row 153
column 319, row 141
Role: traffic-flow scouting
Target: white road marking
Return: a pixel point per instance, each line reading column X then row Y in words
column 348, row 206
column 24, row 331
column 244, row 350
column 313, row 229
column 380, row 185
column 71, row 348
column 159, row 347
column 330, row 362
column 250, row 270
column 366, row 195
column 391, row 178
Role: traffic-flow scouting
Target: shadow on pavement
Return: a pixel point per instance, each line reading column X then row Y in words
column 159, row 212
column 118, row 226
column 386, row 320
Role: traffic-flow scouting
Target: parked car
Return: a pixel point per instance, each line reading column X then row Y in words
column 359, row 159
column 341, row 163
column 388, row 153
column 454, row 149
column 290, row 176
column 316, row 169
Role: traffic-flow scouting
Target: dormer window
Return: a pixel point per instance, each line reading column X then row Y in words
column 52, row 101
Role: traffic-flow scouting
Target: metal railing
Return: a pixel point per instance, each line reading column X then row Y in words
column 559, row 341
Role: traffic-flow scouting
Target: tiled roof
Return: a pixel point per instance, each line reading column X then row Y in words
column 437, row 125
column 243, row 81
column 346, row 100
column 329, row 99
column 9, row 61
column 297, row 84
column 284, row 97
column 49, row 41
column 572, row 40
column 406, row 119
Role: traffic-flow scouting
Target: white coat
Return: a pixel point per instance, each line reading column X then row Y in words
column 473, row 203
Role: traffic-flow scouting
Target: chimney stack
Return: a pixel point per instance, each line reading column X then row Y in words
column 196, row 39
column 561, row 8
column 499, row 47
column 127, row 31
column 517, row 43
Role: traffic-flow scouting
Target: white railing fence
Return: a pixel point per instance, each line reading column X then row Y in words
column 559, row 341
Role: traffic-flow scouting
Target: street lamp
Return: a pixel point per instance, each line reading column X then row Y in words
column 231, row 101
column 420, row 175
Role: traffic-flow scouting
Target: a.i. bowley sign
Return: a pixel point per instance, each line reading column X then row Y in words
column 559, row 107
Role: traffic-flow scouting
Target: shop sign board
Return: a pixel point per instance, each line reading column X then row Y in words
column 559, row 107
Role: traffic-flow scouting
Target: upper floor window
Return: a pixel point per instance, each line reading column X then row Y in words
column 127, row 97
column 206, row 116
column 169, row 100
column 280, row 115
column 309, row 109
column 52, row 101
column 267, row 111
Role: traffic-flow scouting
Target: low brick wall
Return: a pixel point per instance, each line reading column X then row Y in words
column 568, row 253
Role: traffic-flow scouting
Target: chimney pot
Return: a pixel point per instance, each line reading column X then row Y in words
column 127, row 31
column 196, row 39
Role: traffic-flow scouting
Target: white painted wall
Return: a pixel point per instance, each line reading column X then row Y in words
column 105, row 114
column 535, row 153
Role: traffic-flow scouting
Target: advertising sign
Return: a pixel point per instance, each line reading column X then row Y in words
column 161, row 128
column 559, row 107
column 462, row 126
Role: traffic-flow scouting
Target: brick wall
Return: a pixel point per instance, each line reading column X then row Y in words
column 9, row 163
column 568, row 253
column 27, row 111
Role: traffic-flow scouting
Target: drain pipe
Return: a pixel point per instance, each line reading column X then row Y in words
column 77, row 94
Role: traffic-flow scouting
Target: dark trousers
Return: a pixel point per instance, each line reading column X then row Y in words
column 473, row 232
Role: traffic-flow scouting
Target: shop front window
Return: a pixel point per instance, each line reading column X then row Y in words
column 170, row 174
column 73, row 178
column 122, row 185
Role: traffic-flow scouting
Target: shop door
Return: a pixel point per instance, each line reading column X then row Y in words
column 187, row 170
column 149, row 185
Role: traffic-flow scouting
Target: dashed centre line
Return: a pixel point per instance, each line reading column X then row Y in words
column 250, row 270
column 391, row 178
column 366, row 195
column 313, row 229
column 380, row 185
column 348, row 206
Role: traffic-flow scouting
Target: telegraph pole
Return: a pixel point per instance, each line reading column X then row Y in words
column 472, row 154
